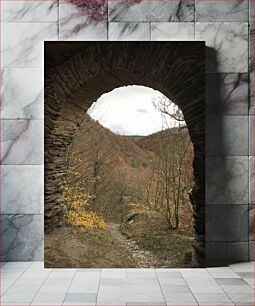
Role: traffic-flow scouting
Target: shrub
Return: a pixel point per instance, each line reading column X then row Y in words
column 78, row 213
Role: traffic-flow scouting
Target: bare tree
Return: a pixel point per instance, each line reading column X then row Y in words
column 175, row 147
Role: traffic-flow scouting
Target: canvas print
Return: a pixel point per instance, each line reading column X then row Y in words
column 124, row 154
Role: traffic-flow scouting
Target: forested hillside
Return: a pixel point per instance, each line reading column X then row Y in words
column 130, row 191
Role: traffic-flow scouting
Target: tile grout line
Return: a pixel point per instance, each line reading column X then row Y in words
column 189, row 287
column 223, row 288
column 40, row 287
column 98, row 286
column 15, row 280
column 160, row 286
column 69, row 286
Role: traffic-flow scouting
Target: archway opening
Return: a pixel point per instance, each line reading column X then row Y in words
column 127, row 184
column 77, row 74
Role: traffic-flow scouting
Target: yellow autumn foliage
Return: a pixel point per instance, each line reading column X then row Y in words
column 138, row 208
column 77, row 209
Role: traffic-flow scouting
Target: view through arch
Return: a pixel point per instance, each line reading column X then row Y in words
column 73, row 82
column 129, row 174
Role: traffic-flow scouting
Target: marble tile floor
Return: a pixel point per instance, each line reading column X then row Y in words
column 29, row 283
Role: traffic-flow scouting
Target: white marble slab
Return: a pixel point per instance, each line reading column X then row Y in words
column 213, row 299
column 251, row 10
column 23, row 10
column 22, row 142
column 251, row 135
column 22, row 93
column 129, row 31
column 181, row 31
column 22, row 43
column 76, row 23
column 22, row 237
column 55, row 285
column 228, row 43
column 153, row 10
column 251, row 181
column 213, row 10
column 227, row 135
column 227, row 94
column 227, row 180
column 251, row 68
column 22, row 189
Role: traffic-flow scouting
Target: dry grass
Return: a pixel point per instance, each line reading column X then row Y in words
column 69, row 247
column 172, row 247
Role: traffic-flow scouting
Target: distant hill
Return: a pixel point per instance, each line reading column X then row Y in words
column 113, row 166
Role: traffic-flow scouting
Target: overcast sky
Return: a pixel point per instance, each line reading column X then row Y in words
column 129, row 110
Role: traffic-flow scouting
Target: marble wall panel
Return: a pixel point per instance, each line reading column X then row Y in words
column 76, row 23
column 227, row 223
column 21, row 142
column 228, row 43
column 224, row 27
column 24, row 47
column 129, row 31
column 227, row 135
column 22, row 189
column 22, row 237
column 251, row 180
column 23, row 10
column 251, row 135
column 227, row 180
column 227, row 94
column 237, row 251
column 22, row 93
column 181, row 31
column 153, row 10
column 234, row 10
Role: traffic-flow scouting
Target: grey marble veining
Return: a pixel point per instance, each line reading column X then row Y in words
column 251, row 135
column 251, row 68
column 27, row 23
column 21, row 142
column 76, row 24
column 22, row 93
column 251, row 222
column 153, row 10
column 216, row 252
column 23, row 10
column 227, row 180
column 234, row 10
column 128, row 31
column 251, row 180
column 227, row 94
column 227, row 223
column 251, row 250
column 175, row 31
column 227, row 135
column 251, row 10
column 24, row 47
column 22, row 189
column 238, row 252
column 228, row 43
column 251, row 94
column 22, row 237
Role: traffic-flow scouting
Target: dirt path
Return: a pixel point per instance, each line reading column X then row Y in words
column 144, row 259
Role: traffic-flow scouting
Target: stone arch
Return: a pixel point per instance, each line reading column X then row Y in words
column 76, row 74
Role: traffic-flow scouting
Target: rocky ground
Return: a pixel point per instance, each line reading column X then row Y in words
column 141, row 242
